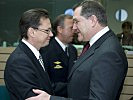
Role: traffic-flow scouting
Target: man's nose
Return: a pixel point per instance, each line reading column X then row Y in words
column 74, row 26
column 51, row 34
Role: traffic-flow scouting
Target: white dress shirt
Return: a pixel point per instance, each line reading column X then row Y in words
column 98, row 35
column 61, row 44
column 34, row 50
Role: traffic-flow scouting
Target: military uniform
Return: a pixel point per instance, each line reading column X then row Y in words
column 56, row 61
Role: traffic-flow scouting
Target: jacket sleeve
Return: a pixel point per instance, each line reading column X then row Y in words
column 107, row 76
column 20, row 77
column 60, row 89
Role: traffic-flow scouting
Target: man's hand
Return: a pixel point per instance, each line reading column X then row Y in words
column 41, row 95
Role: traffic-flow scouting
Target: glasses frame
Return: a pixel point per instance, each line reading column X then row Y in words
column 47, row 31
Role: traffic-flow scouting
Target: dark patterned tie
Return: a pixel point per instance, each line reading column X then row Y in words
column 41, row 61
column 86, row 47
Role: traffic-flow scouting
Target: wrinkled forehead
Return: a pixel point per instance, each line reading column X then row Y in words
column 77, row 12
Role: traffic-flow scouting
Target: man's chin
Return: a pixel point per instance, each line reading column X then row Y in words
column 46, row 44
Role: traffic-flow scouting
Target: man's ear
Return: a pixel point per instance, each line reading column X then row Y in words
column 31, row 32
column 59, row 29
column 93, row 19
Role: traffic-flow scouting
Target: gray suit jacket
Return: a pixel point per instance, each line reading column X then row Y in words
column 99, row 73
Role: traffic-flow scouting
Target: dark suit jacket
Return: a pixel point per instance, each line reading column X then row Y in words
column 99, row 73
column 23, row 73
column 57, row 63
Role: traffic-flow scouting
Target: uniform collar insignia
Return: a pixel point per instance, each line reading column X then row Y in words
column 58, row 67
column 57, row 62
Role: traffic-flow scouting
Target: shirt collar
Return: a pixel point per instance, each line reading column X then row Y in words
column 32, row 48
column 60, row 43
column 98, row 35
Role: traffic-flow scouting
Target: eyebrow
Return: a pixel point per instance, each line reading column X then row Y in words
column 48, row 28
column 74, row 19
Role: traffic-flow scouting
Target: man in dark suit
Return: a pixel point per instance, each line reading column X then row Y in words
column 99, row 73
column 60, row 55
column 24, row 69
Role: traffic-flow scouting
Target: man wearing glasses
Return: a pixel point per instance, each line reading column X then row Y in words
column 24, row 68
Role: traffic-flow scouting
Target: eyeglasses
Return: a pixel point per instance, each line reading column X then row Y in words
column 47, row 31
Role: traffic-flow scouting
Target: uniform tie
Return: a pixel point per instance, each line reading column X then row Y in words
column 41, row 61
column 66, row 51
column 86, row 47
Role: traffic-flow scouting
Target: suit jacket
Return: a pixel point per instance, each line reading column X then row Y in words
column 58, row 64
column 23, row 73
column 98, row 74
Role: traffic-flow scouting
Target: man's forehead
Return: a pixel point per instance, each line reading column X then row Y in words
column 77, row 12
column 45, row 23
column 68, row 22
column 77, row 17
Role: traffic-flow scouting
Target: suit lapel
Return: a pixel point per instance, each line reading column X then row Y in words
column 90, row 51
column 81, row 59
column 43, row 74
column 30, row 54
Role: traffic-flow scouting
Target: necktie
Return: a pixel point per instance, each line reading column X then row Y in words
column 66, row 51
column 41, row 61
column 86, row 47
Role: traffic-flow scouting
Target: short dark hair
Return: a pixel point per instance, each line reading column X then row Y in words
column 31, row 18
column 93, row 7
column 127, row 23
column 59, row 21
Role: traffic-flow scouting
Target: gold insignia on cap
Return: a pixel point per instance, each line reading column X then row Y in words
column 58, row 67
column 57, row 62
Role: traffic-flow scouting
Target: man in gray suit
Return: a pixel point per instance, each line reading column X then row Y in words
column 99, row 73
